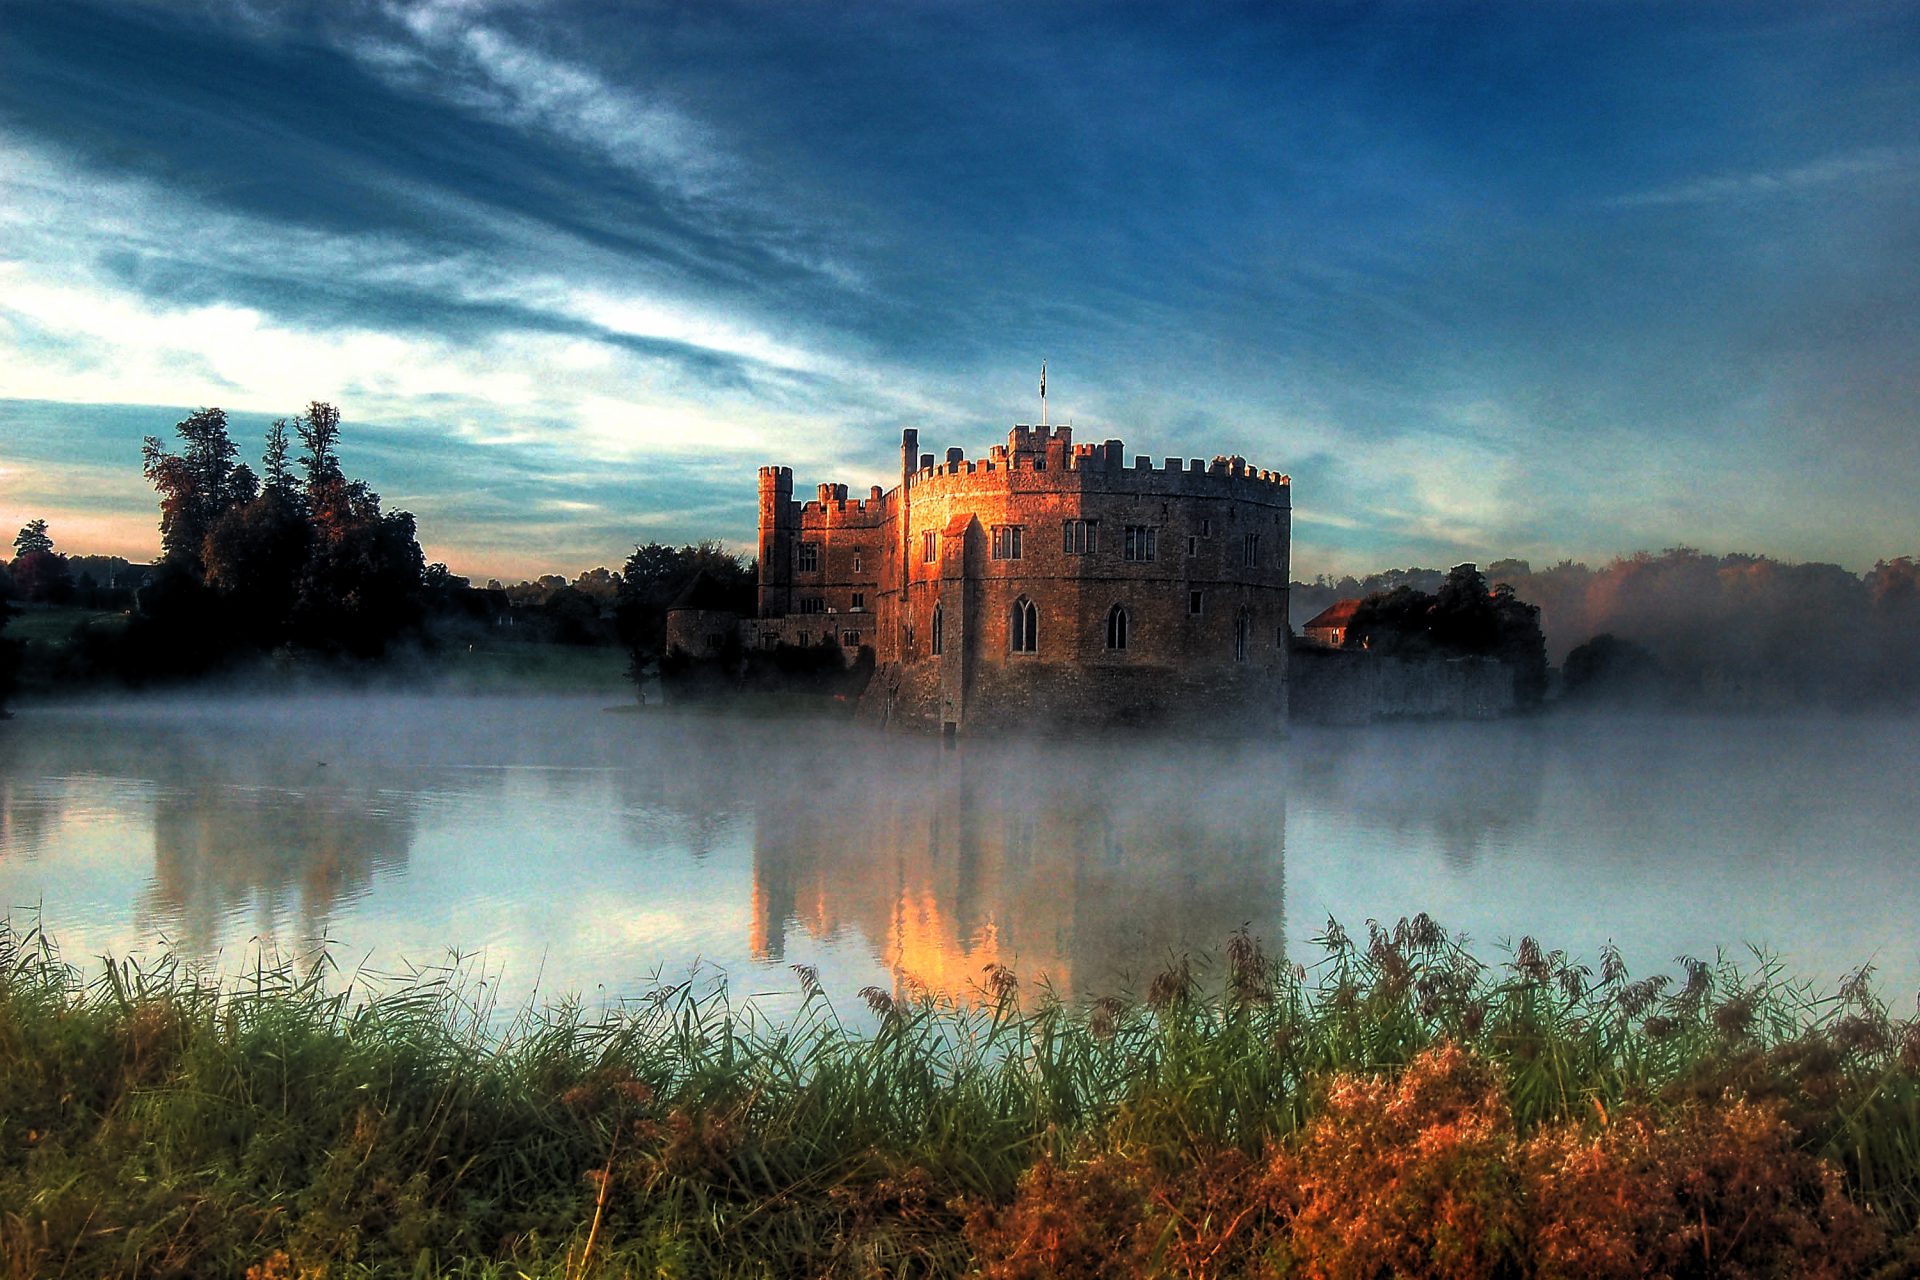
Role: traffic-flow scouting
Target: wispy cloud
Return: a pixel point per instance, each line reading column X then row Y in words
column 1852, row 166
column 454, row 54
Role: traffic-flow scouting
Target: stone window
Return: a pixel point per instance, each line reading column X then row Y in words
column 929, row 546
column 1117, row 624
column 1193, row 545
column 937, row 633
column 1139, row 543
column 850, row 639
column 859, row 602
column 1242, row 632
column 856, row 562
column 1193, row 604
column 809, row 557
column 813, row 604
column 1080, row 537
column 1251, row 553
column 1006, row 541
column 1206, row 527
column 1024, row 627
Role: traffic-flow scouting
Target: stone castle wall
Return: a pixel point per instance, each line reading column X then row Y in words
column 1346, row 686
column 1205, row 616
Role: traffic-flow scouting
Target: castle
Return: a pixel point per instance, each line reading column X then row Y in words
column 1047, row 586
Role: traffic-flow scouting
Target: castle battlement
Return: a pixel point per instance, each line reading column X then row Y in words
column 1029, row 453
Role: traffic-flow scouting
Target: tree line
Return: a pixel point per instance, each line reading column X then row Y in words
column 298, row 554
column 1686, row 627
column 1462, row 617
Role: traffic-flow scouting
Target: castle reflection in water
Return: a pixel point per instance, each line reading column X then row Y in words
column 1081, row 868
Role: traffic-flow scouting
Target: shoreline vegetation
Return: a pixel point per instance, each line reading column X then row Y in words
column 1397, row 1107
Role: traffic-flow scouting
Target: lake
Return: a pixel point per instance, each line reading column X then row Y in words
column 568, row 849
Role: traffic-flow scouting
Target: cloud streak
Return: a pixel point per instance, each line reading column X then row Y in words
column 1861, row 166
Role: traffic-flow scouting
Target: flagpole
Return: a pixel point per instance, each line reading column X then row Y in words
column 1043, row 394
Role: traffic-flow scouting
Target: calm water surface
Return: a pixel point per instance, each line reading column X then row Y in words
column 570, row 850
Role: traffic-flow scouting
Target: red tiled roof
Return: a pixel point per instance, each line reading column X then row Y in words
column 1337, row 614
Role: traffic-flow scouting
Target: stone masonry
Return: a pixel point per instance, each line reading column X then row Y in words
column 1047, row 586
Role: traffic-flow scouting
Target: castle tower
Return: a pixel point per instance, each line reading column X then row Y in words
column 776, row 541
column 909, row 463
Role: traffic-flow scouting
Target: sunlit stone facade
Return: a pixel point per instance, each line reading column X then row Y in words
column 1049, row 585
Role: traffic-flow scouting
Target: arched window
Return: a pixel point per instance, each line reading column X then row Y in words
column 1024, row 627
column 1117, row 627
column 938, row 633
column 1242, row 631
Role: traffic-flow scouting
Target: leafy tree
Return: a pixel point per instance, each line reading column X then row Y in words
column 255, row 557
column 33, row 537
column 1607, row 667
column 440, row 578
column 656, row 573
column 42, row 576
column 278, row 475
column 196, row 485
column 308, row 557
column 38, row 571
column 1462, row 618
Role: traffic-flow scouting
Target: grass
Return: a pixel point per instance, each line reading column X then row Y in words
column 512, row 666
column 1234, row 1121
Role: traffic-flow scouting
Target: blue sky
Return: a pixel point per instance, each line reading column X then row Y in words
column 1541, row 279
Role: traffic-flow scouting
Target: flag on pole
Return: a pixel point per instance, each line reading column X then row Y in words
column 1043, row 379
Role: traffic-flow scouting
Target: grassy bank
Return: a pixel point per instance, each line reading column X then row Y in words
column 68, row 654
column 1396, row 1108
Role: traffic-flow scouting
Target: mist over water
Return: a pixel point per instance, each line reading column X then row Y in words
column 575, row 851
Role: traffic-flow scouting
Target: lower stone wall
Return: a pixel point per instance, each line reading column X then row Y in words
column 1351, row 687
column 1036, row 699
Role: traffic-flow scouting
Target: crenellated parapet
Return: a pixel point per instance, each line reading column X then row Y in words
column 1036, row 457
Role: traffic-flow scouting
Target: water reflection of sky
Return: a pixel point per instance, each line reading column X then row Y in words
column 575, row 851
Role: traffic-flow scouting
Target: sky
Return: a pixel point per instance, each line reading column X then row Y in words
column 1538, row 279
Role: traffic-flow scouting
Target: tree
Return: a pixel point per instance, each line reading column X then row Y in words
column 1462, row 618
column 33, row 537
column 277, row 474
column 306, row 557
column 656, row 573
column 9, row 658
column 196, row 485
column 42, row 576
column 1609, row 668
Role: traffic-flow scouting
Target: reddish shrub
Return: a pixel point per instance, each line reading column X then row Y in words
column 1407, row 1177
column 1064, row 1223
column 1718, row 1191
column 1217, row 1214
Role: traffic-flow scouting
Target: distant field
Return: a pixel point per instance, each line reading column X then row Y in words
column 54, row 626
column 541, row 668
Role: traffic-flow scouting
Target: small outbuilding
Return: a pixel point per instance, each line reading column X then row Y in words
column 1328, row 628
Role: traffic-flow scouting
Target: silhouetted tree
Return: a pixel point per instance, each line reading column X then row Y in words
column 656, row 573
column 42, row 576
column 308, row 558
column 196, row 485
column 255, row 557
column 1607, row 668
column 32, row 537
column 1462, row 619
